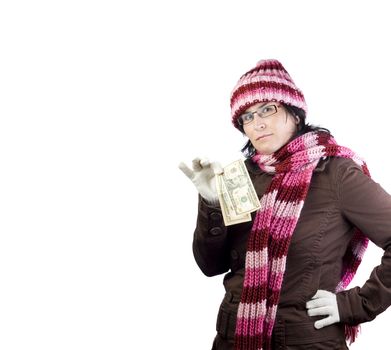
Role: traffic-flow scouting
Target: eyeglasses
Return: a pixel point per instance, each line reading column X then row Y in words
column 262, row 111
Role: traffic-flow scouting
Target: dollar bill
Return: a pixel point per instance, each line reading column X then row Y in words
column 236, row 193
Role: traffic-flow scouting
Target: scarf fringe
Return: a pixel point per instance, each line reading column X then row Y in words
column 351, row 333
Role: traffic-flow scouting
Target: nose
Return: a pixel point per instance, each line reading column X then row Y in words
column 259, row 123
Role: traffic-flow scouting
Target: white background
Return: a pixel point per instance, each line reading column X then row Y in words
column 100, row 101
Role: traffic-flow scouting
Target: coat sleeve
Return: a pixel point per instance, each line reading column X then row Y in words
column 366, row 205
column 210, row 240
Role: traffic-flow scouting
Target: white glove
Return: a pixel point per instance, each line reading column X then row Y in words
column 203, row 177
column 323, row 303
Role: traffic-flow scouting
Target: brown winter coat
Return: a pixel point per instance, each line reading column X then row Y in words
column 340, row 197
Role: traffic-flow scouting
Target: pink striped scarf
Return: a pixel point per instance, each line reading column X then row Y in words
column 271, row 234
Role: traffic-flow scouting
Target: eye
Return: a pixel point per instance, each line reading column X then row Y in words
column 266, row 109
column 247, row 117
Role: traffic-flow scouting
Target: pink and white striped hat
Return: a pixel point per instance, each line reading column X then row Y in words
column 268, row 81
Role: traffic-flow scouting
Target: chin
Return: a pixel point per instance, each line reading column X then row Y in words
column 264, row 152
column 266, row 148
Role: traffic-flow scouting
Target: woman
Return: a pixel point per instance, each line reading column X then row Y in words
column 289, row 267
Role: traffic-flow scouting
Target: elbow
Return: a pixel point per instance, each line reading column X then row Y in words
column 213, row 272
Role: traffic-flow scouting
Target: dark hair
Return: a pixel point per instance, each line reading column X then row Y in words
column 249, row 150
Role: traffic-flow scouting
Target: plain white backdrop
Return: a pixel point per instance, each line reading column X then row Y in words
column 100, row 101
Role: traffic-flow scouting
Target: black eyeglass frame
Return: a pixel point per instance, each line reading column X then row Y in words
column 260, row 115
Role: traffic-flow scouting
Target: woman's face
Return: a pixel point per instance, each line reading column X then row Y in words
column 274, row 130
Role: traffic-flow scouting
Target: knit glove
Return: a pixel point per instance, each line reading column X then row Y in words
column 203, row 177
column 323, row 303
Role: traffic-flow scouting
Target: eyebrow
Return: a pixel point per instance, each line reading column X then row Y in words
column 260, row 106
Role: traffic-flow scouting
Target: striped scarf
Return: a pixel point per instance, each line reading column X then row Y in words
column 271, row 234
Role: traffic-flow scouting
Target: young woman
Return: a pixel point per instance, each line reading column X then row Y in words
column 289, row 267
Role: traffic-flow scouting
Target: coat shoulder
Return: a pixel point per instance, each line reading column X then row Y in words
column 338, row 165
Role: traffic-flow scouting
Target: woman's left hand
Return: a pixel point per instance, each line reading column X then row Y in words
column 323, row 303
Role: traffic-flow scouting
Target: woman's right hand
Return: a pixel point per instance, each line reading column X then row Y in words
column 203, row 177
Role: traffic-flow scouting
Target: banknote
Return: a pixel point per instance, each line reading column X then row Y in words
column 229, row 215
column 236, row 193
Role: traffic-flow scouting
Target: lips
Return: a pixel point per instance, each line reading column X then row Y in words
column 262, row 137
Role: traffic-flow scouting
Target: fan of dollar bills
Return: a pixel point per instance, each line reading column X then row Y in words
column 236, row 193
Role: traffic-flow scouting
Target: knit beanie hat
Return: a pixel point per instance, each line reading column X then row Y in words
column 268, row 81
